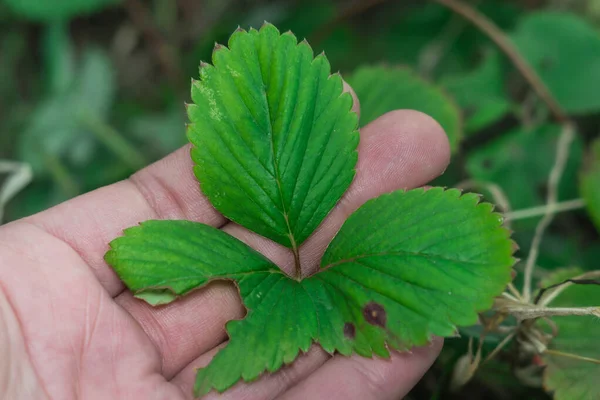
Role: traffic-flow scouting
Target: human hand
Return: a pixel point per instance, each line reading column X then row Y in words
column 69, row 329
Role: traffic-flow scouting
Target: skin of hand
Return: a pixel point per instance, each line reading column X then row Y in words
column 70, row 330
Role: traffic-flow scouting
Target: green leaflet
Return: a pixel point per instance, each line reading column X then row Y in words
column 435, row 259
column 180, row 256
column 569, row 378
column 272, row 130
column 590, row 183
column 381, row 89
column 565, row 51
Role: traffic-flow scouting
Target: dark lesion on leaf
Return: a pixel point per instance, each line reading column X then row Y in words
column 349, row 330
column 375, row 314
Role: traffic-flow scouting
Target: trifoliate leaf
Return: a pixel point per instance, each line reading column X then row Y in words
column 273, row 132
column 381, row 89
column 49, row 11
column 481, row 93
column 567, row 375
column 565, row 51
column 519, row 162
column 404, row 267
column 590, row 183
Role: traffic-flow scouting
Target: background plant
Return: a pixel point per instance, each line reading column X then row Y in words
column 90, row 91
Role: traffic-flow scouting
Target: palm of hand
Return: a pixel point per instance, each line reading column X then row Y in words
column 70, row 330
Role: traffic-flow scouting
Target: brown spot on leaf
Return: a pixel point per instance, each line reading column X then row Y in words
column 349, row 330
column 375, row 314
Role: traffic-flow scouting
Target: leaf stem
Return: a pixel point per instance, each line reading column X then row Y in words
column 574, row 356
column 499, row 347
column 504, row 43
column 511, row 288
column 297, row 265
column 562, row 155
column 569, row 205
column 527, row 311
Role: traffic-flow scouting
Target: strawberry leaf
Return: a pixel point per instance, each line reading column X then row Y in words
column 272, row 130
column 275, row 148
column 435, row 259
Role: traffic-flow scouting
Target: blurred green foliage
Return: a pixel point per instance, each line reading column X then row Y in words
column 92, row 90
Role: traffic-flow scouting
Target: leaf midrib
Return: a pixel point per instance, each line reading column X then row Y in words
column 277, row 177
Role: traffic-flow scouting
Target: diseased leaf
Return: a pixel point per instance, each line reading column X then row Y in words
column 565, row 51
column 272, row 130
column 381, row 89
column 569, row 378
column 430, row 261
column 590, row 183
column 481, row 93
column 50, row 11
column 519, row 162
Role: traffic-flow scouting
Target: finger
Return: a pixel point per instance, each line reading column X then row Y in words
column 401, row 149
column 166, row 189
column 349, row 378
column 268, row 387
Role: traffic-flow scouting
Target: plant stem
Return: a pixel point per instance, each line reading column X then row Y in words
column 569, row 205
column 574, row 356
column 297, row 265
column 562, row 155
column 115, row 142
column 500, row 346
column 505, row 44
column 527, row 311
